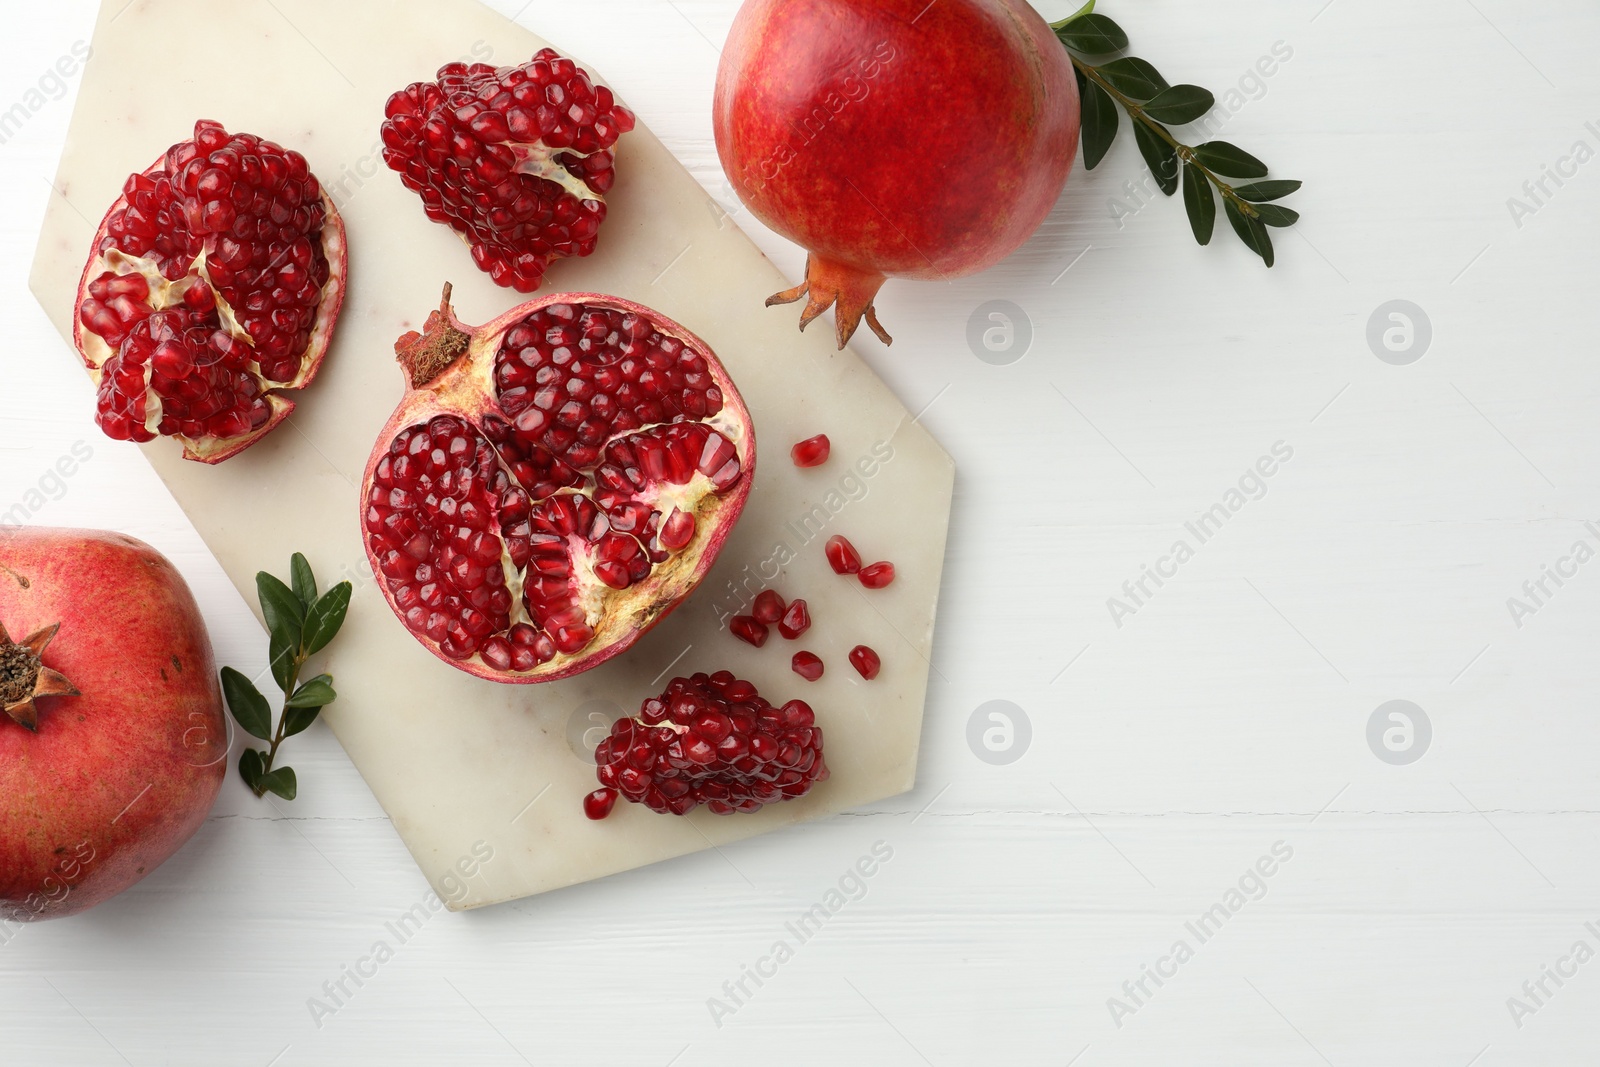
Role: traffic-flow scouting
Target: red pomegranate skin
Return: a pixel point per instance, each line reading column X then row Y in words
column 115, row 780
column 897, row 137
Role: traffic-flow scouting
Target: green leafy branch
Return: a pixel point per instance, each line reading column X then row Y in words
column 301, row 624
column 1151, row 103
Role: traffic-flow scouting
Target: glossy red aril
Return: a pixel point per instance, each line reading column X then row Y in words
column 598, row 805
column 894, row 137
column 213, row 286
column 712, row 740
column 865, row 661
column 812, row 452
column 795, row 621
column 768, row 606
column 750, row 630
column 517, row 160
column 807, row 665
column 842, row 555
column 553, row 483
column 877, row 575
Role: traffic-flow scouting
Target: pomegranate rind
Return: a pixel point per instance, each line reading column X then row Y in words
column 95, row 352
column 465, row 389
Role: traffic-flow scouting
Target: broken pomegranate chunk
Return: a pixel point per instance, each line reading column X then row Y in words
column 214, row 285
column 517, row 160
column 712, row 740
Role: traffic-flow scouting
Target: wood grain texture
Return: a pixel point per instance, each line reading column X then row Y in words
column 1167, row 755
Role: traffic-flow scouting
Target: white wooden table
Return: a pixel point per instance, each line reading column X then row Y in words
column 1176, row 750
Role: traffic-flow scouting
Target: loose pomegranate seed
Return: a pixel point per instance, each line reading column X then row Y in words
column 877, row 575
column 769, row 606
column 807, row 665
column 597, row 805
column 749, row 629
column 865, row 661
column 842, row 555
column 515, row 159
column 795, row 621
column 812, row 452
column 712, row 740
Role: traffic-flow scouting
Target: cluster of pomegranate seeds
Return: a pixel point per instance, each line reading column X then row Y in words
column 487, row 534
column 517, row 160
column 807, row 665
column 812, row 452
column 865, row 661
column 211, row 275
column 844, row 559
column 712, row 740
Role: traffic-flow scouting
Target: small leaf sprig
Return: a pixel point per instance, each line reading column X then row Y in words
column 1151, row 103
column 301, row 624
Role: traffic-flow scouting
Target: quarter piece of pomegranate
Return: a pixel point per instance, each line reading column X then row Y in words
column 113, row 744
column 894, row 137
column 712, row 740
column 517, row 160
column 552, row 483
column 213, row 287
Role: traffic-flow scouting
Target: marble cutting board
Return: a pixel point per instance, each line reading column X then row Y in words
column 455, row 760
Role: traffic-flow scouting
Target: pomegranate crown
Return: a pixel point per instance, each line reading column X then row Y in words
column 442, row 341
column 24, row 677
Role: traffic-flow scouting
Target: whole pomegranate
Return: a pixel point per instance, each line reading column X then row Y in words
column 113, row 745
column 894, row 137
column 213, row 285
column 517, row 160
column 552, row 483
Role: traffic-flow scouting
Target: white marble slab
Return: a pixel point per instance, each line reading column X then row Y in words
column 455, row 760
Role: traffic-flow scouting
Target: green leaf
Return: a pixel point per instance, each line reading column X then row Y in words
column 1133, row 77
column 1225, row 158
column 1180, row 104
column 1250, row 231
column 247, row 704
column 1093, row 35
column 305, row 583
column 1161, row 157
column 295, row 720
column 316, row 693
column 281, row 608
column 1099, row 122
column 283, row 660
column 326, row 616
column 1275, row 215
column 250, row 768
column 281, row 782
column 1199, row 203
column 1256, row 192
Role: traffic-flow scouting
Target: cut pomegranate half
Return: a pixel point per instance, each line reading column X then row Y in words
column 553, row 483
column 213, row 286
column 517, row 160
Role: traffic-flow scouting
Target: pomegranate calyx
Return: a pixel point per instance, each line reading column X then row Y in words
column 24, row 677
column 425, row 355
column 849, row 290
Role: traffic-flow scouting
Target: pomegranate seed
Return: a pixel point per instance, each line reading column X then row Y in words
column 877, row 575
column 865, row 661
column 712, row 740
column 749, row 629
column 842, row 555
column 807, row 665
column 496, row 154
column 812, row 452
column 795, row 621
column 597, row 805
column 769, row 606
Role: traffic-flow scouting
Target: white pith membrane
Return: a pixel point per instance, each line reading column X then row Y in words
column 659, row 575
column 165, row 294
